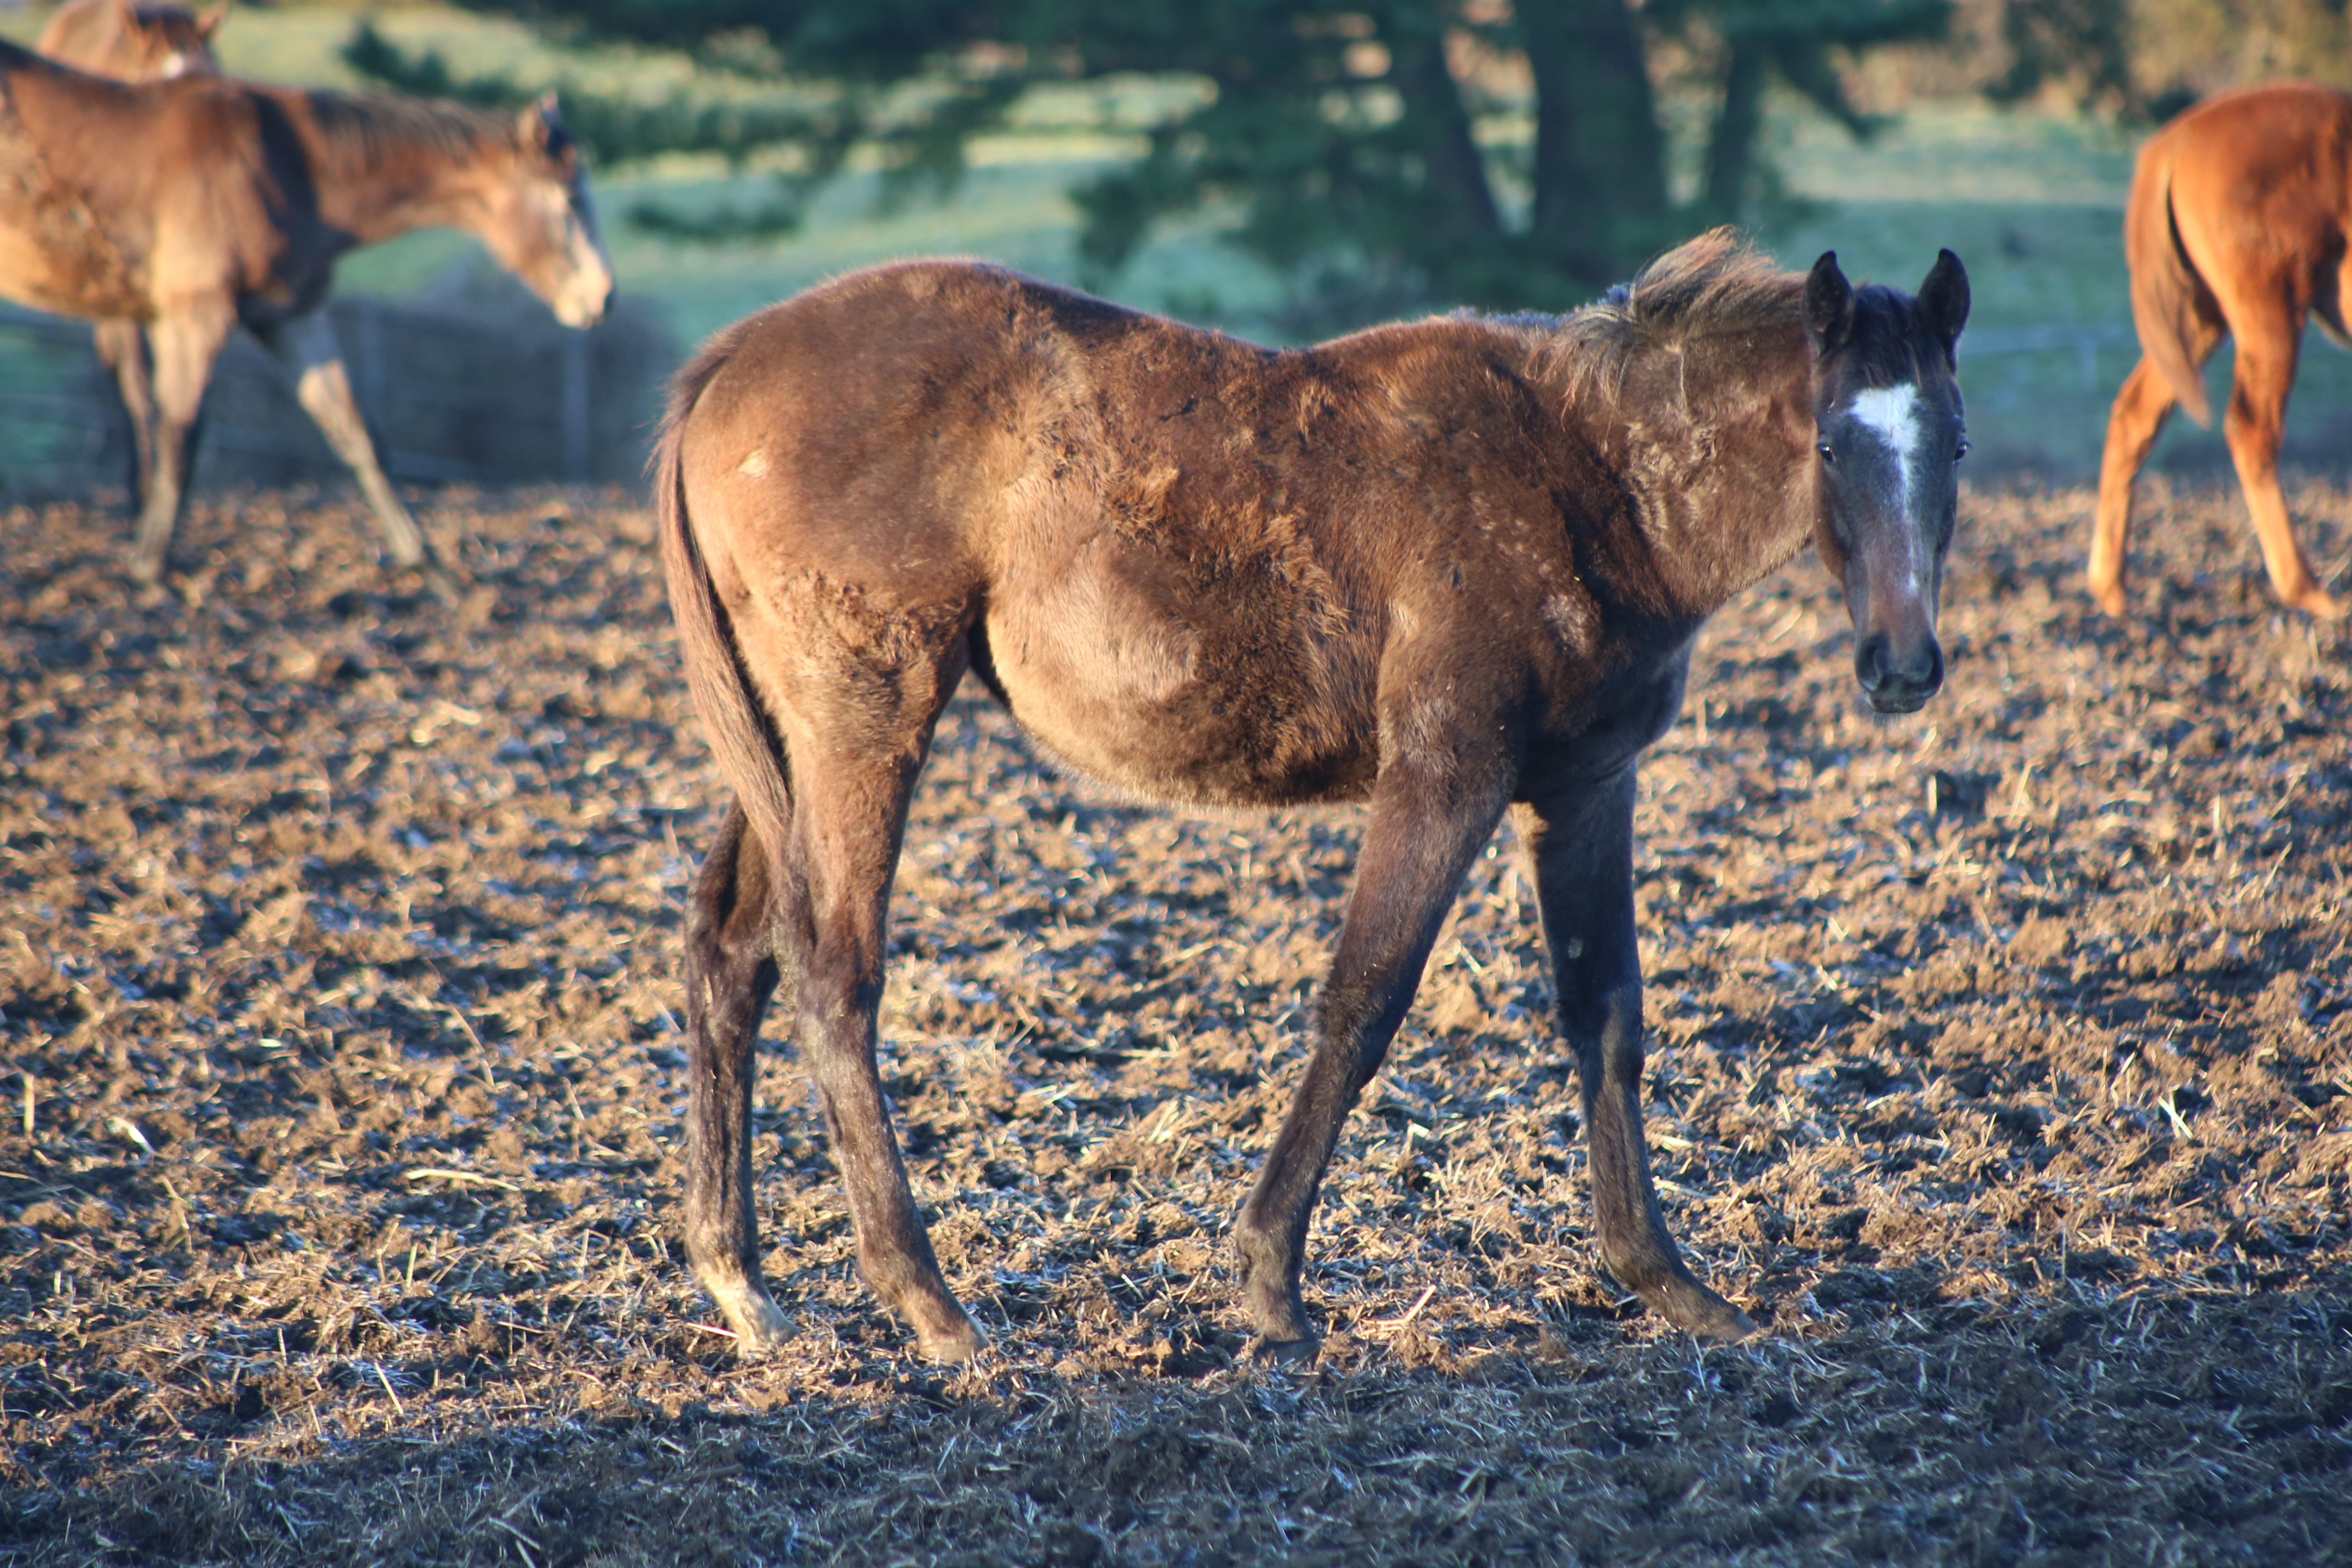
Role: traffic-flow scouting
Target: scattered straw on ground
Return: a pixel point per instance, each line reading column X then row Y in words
column 2001, row 1064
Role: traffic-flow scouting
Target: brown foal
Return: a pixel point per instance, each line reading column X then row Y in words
column 1450, row 570
column 194, row 205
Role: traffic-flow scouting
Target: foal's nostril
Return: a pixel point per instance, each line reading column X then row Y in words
column 1871, row 662
column 1931, row 678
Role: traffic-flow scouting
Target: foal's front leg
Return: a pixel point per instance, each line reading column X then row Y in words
column 123, row 349
column 185, row 343
column 1580, row 846
column 310, row 355
column 730, row 972
column 1426, row 825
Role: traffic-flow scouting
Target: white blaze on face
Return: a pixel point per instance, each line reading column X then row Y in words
column 1892, row 414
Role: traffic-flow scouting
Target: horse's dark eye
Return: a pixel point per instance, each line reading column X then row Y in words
column 1960, row 451
column 1827, row 455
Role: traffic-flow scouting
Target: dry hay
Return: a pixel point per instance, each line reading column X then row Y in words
column 337, row 960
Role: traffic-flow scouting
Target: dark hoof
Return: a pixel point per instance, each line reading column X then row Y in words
column 1700, row 1312
column 1296, row 1354
column 952, row 1344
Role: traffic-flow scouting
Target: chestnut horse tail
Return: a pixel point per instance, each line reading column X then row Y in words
column 749, row 752
column 2165, row 287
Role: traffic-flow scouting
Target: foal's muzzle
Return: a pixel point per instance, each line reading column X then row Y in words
column 1900, row 682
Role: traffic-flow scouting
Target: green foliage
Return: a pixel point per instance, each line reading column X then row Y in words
column 1355, row 138
column 800, row 135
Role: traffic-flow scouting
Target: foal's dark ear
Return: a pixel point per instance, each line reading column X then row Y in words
column 542, row 125
column 1944, row 301
column 1829, row 305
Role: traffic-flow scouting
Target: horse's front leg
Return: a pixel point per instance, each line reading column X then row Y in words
column 310, row 355
column 123, row 349
column 1427, row 822
column 730, row 972
column 185, row 343
column 1580, row 845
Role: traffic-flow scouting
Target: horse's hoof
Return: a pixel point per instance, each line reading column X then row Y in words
column 2319, row 603
column 2111, row 599
column 1700, row 1312
column 1297, row 1354
column 954, row 1344
column 144, row 573
column 759, row 1323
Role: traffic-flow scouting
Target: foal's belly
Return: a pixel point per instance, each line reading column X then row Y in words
column 1166, row 692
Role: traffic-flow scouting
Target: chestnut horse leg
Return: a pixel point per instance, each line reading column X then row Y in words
column 123, row 349
column 2141, row 408
column 730, row 972
column 2269, row 332
column 307, row 348
column 184, row 347
column 1580, row 847
column 1427, row 822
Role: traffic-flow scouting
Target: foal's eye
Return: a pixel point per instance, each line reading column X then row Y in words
column 1824, row 448
column 1960, row 451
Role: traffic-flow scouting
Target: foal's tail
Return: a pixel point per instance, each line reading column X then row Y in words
column 749, row 752
column 2166, row 291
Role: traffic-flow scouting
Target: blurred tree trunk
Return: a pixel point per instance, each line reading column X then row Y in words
column 1732, row 148
column 1458, row 196
column 1600, row 158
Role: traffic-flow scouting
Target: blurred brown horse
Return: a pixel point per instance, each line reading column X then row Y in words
column 2240, row 225
column 197, row 203
column 131, row 42
column 1451, row 569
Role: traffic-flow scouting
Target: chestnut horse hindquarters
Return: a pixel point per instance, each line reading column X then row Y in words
column 2171, row 308
column 2237, row 225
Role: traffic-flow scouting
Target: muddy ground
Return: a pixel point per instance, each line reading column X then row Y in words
column 2003, row 1066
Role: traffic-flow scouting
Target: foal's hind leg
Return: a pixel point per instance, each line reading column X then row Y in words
column 2269, row 340
column 849, row 802
column 2138, row 418
column 308, row 351
column 1426, row 823
column 1580, row 847
column 730, row 972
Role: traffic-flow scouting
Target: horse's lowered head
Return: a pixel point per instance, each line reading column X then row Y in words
column 134, row 40
column 542, row 225
column 1889, row 430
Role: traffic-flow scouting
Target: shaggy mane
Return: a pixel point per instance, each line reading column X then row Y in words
column 1715, row 285
column 359, row 130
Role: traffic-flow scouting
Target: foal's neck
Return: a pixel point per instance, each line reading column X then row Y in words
column 383, row 168
column 1725, row 495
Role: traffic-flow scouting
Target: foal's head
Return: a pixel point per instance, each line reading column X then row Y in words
column 542, row 225
column 1889, row 430
column 148, row 40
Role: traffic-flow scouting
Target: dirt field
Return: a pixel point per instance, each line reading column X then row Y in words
column 2002, row 1064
